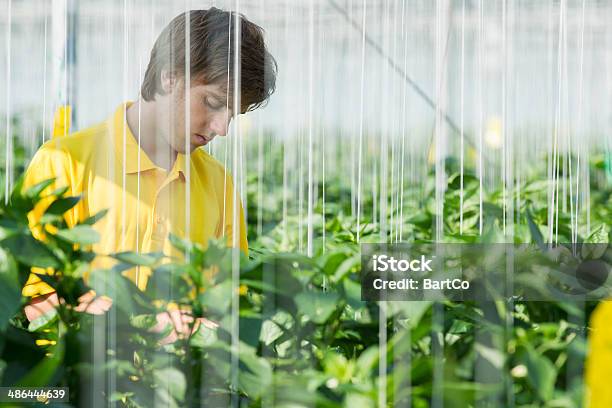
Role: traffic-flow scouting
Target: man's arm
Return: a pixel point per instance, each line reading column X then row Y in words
column 51, row 161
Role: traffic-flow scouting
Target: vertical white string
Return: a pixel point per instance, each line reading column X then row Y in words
column 579, row 124
column 9, row 139
column 404, row 120
column 187, row 162
column 321, row 41
column 504, row 135
column 310, row 197
column 361, row 102
column 260, row 153
column 124, row 117
column 235, row 334
column 394, row 216
column 554, row 205
column 286, row 140
column 383, row 158
column 227, row 143
column 461, row 118
column 138, row 173
column 65, row 100
column 44, row 115
column 480, row 112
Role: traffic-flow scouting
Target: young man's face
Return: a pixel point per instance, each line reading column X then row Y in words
column 209, row 116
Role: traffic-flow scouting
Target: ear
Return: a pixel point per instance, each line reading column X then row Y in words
column 168, row 80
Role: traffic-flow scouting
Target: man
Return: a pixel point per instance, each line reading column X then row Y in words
column 144, row 162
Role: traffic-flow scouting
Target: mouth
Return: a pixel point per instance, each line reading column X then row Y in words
column 201, row 140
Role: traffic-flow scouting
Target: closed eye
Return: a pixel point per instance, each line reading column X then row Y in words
column 214, row 104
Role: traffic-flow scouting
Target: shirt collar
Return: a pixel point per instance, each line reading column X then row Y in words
column 130, row 146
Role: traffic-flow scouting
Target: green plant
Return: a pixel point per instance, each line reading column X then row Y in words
column 293, row 330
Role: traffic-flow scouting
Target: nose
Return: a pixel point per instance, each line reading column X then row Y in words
column 220, row 123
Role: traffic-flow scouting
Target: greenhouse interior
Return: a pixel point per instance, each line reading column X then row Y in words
column 292, row 203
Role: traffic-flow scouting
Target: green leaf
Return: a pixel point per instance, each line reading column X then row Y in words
column 179, row 243
column 493, row 356
column 217, row 298
column 144, row 321
column 339, row 367
column 172, row 380
column 44, row 371
column 2, row 367
column 168, row 282
column 413, row 311
column 355, row 399
column 95, row 218
column 59, row 192
column 596, row 244
column 120, row 396
column 49, row 219
column 330, row 261
column 346, row 266
column 255, row 373
column 203, row 337
column 8, row 227
column 17, row 197
column 43, row 321
column 60, row 206
column 541, row 373
column 318, row 306
column 270, row 331
column 368, row 360
column 163, row 398
column 35, row 191
column 10, row 291
column 80, row 234
column 599, row 235
column 536, row 234
column 134, row 258
column 250, row 330
column 30, row 251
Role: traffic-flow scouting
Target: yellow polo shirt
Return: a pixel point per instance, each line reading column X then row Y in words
column 105, row 164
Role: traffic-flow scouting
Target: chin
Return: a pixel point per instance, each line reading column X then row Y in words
column 181, row 149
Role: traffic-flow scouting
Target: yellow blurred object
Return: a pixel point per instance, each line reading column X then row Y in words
column 493, row 134
column 472, row 155
column 598, row 367
column 62, row 121
column 45, row 342
column 431, row 154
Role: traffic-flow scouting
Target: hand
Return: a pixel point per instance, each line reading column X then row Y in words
column 88, row 303
column 180, row 320
column 91, row 304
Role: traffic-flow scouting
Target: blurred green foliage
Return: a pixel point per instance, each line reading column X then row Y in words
column 293, row 330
